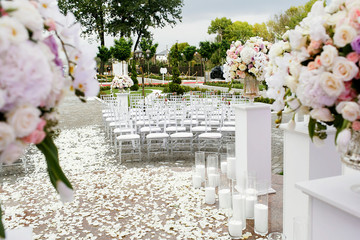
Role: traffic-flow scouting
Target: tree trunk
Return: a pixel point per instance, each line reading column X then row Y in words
column 102, row 67
column 137, row 41
column 189, row 68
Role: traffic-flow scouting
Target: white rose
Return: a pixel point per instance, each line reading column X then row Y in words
column 297, row 39
column 328, row 55
column 331, row 84
column 12, row 152
column 344, row 69
column 276, row 50
column 291, row 82
column 342, row 140
column 24, row 120
column 322, row 114
column 349, row 110
column 351, row 4
column 7, row 135
column 242, row 67
column 344, row 34
column 333, row 19
column 237, row 43
column 247, row 54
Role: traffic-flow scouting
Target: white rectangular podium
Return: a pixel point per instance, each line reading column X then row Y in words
column 304, row 161
column 24, row 233
column 334, row 208
column 253, row 140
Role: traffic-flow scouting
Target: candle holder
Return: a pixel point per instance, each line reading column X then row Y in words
column 231, row 160
column 235, row 227
column 276, row 236
column 238, row 203
column 209, row 193
column 261, row 208
column 196, row 177
column 223, row 163
column 251, row 194
column 200, row 164
column 224, row 193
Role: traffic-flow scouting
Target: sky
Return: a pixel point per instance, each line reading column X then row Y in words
column 197, row 16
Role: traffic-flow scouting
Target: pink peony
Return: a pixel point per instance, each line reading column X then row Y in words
column 348, row 94
column 35, row 137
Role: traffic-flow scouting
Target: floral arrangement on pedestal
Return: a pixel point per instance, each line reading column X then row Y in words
column 316, row 70
column 40, row 57
column 250, row 58
column 122, row 82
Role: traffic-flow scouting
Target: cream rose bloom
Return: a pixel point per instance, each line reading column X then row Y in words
column 331, row 84
column 247, row 54
column 328, row 55
column 344, row 34
column 322, row 114
column 344, row 69
column 24, row 120
column 342, row 140
column 242, row 67
column 12, row 152
column 349, row 110
column 7, row 135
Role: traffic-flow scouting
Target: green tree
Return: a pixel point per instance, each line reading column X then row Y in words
column 90, row 14
column 189, row 52
column 134, row 87
column 140, row 15
column 180, row 48
column 122, row 49
column 175, row 85
column 219, row 52
column 280, row 23
column 205, row 50
column 218, row 27
column 147, row 44
column 238, row 31
column 260, row 29
column 104, row 55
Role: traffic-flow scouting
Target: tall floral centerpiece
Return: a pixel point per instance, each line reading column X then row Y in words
column 41, row 55
column 247, row 62
column 122, row 82
column 315, row 70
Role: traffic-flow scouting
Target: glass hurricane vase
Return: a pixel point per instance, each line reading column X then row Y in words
column 351, row 157
column 251, row 87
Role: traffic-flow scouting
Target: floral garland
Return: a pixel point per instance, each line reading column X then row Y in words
column 121, row 82
column 250, row 58
column 316, row 70
column 41, row 56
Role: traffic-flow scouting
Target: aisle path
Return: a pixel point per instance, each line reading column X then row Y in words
column 153, row 200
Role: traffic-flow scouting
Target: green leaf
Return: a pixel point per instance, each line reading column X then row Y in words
column 2, row 229
column 48, row 148
column 311, row 127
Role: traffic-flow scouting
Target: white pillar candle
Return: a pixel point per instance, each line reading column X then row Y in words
column 210, row 195
column 224, row 198
column 261, row 218
column 201, row 169
column 238, row 203
column 217, row 179
column 250, row 202
column 211, row 170
column 213, row 180
column 231, row 172
column 235, row 228
column 196, row 179
column 224, row 167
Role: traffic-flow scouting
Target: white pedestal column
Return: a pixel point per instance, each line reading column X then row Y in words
column 124, row 100
column 120, row 68
column 334, row 208
column 23, row 233
column 304, row 161
column 253, row 140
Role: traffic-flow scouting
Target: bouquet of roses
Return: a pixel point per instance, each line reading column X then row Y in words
column 316, row 70
column 121, row 82
column 250, row 58
column 37, row 45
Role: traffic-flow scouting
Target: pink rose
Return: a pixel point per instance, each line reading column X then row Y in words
column 318, row 62
column 315, row 44
column 50, row 24
column 35, row 137
column 353, row 57
column 311, row 66
column 348, row 94
column 41, row 125
column 242, row 74
column 356, row 126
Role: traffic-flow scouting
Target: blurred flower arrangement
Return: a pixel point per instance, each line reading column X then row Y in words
column 122, row 82
column 250, row 58
column 316, row 70
column 40, row 57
